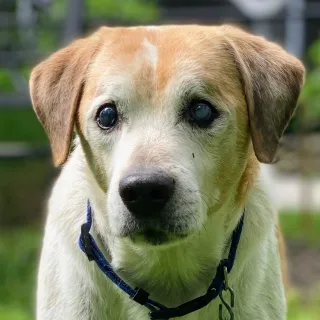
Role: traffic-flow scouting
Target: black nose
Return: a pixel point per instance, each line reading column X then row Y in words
column 146, row 191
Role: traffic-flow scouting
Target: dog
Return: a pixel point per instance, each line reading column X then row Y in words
column 171, row 124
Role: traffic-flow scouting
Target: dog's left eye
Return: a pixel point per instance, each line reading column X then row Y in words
column 201, row 113
column 107, row 116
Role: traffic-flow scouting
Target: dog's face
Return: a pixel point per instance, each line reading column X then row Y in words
column 162, row 122
column 166, row 116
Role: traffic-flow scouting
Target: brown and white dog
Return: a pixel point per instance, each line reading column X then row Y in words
column 171, row 124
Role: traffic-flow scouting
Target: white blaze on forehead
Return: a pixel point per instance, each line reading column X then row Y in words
column 153, row 28
column 151, row 52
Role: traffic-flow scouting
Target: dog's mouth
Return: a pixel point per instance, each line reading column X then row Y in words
column 156, row 237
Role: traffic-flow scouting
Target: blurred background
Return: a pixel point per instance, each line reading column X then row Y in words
column 32, row 29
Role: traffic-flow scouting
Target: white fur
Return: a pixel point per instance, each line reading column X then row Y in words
column 157, row 28
column 151, row 53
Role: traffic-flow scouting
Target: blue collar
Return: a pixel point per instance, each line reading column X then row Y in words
column 158, row 311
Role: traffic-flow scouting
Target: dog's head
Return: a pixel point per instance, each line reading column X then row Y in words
column 167, row 117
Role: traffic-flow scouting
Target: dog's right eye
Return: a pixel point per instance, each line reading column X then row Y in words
column 107, row 116
column 201, row 113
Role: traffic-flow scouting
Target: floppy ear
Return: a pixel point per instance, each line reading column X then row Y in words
column 56, row 88
column 272, row 80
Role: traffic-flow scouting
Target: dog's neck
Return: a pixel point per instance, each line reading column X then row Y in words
column 173, row 274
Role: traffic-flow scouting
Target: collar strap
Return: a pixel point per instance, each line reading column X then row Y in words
column 159, row 311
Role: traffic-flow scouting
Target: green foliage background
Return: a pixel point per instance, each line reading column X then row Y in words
column 310, row 98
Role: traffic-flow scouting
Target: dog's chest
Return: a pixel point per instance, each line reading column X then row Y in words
column 115, row 305
column 118, row 306
column 129, row 311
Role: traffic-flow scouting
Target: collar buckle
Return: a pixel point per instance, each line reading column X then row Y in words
column 226, row 288
column 228, row 306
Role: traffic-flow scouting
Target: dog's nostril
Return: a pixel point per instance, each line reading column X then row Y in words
column 159, row 193
column 129, row 194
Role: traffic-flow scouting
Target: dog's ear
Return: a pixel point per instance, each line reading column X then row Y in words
column 272, row 80
column 56, row 88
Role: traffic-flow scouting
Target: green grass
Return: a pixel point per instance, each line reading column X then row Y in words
column 14, row 313
column 299, row 309
column 24, row 186
column 18, row 266
column 19, row 252
column 301, row 227
column 21, row 125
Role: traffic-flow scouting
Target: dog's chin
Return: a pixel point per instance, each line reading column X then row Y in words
column 157, row 238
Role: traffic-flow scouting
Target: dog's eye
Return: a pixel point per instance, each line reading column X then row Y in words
column 107, row 116
column 202, row 113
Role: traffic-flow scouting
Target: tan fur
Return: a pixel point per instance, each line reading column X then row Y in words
column 248, row 178
column 252, row 56
column 272, row 80
column 56, row 87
